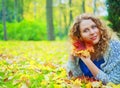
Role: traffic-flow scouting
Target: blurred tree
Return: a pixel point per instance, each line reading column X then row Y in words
column 94, row 8
column 0, row 11
column 64, row 12
column 70, row 6
column 35, row 8
column 9, row 10
column 113, row 7
column 20, row 10
column 4, row 19
column 15, row 9
column 49, row 18
column 89, row 6
column 35, row 11
column 83, row 6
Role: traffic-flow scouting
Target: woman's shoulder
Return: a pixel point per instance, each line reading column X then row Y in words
column 114, row 44
column 115, row 47
column 112, row 57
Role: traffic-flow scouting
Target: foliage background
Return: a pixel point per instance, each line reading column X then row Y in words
column 26, row 19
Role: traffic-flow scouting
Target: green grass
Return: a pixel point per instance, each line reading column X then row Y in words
column 38, row 64
column 32, row 64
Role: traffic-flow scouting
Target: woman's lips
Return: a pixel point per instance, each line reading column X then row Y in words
column 93, row 38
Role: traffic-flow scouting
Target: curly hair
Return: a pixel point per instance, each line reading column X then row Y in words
column 102, row 45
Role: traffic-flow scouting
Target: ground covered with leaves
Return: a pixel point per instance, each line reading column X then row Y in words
column 39, row 64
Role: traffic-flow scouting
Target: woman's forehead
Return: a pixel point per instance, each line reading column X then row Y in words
column 86, row 23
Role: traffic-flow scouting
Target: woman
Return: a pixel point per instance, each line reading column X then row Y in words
column 102, row 64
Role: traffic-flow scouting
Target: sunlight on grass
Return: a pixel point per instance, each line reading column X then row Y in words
column 32, row 64
column 38, row 64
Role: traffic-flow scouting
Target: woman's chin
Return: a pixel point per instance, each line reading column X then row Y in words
column 95, row 42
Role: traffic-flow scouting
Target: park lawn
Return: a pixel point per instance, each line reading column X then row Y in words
column 32, row 64
column 37, row 64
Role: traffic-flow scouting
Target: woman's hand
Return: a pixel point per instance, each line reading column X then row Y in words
column 92, row 67
column 83, row 54
column 86, row 58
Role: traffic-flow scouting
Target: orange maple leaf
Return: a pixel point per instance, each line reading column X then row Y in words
column 89, row 47
column 80, row 48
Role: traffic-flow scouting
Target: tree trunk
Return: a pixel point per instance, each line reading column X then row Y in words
column 83, row 6
column 49, row 18
column 20, row 5
column 15, row 10
column 35, row 9
column 4, row 19
column 94, row 8
column 21, row 10
column 65, row 21
column 71, row 17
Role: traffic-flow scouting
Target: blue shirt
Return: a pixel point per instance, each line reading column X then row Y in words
column 85, row 69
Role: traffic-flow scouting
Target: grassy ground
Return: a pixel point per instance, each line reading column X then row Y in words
column 36, row 64
column 32, row 64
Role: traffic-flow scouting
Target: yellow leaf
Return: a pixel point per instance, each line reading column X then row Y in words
column 24, row 77
column 57, row 86
column 44, row 82
column 89, row 85
column 77, row 82
column 84, row 52
column 117, row 86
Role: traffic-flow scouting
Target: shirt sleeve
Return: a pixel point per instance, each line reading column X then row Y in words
column 111, row 70
column 73, row 66
column 114, row 76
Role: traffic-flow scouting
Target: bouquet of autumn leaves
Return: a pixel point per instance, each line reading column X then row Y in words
column 80, row 48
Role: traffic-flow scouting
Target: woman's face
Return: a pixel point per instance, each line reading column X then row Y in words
column 89, row 32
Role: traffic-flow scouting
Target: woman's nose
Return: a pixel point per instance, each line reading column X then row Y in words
column 92, row 31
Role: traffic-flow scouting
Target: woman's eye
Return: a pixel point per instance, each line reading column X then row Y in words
column 94, row 26
column 85, row 30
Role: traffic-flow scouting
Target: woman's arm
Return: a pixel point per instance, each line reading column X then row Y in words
column 110, row 74
column 92, row 67
column 110, row 69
